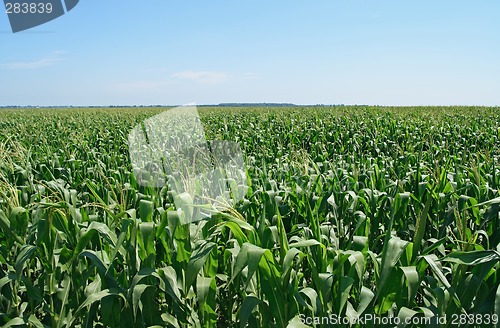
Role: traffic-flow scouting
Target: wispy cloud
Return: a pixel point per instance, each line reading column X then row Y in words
column 202, row 77
column 46, row 61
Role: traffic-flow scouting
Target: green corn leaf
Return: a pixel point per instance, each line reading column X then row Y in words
column 7, row 279
column 196, row 262
column 287, row 263
column 126, row 222
column 137, row 292
column 66, row 288
column 162, row 227
column 421, row 226
column 412, row 281
column 472, row 257
column 246, row 309
column 19, row 220
column 305, row 243
column 33, row 321
column 99, row 296
column 101, row 262
column 346, row 284
column 146, row 210
column 171, row 287
column 314, row 301
column 249, row 255
column 433, row 262
column 237, row 232
column 366, row 296
column 186, row 204
column 26, row 253
column 104, row 231
column 357, row 263
column 5, row 225
column 18, row 321
column 390, row 256
column 490, row 202
column 143, row 273
column 204, row 286
column 146, row 240
column 270, row 277
column 97, row 260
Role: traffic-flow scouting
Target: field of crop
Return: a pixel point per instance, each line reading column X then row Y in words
column 350, row 211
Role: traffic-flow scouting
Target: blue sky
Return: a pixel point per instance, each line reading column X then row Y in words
column 123, row 52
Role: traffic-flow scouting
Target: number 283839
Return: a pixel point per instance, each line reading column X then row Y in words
column 28, row 8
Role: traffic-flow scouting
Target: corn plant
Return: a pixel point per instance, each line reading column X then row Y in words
column 349, row 211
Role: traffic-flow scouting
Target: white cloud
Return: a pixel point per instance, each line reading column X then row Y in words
column 202, row 77
column 34, row 64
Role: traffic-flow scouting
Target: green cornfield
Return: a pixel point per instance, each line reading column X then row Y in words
column 352, row 212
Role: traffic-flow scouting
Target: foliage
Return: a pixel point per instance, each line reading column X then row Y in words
column 350, row 210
